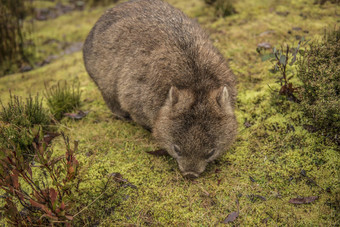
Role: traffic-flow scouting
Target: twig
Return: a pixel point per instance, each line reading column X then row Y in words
column 104, row 190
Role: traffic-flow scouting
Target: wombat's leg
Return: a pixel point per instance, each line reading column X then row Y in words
column 118, row 112
column 147, row 128
column 141, row 123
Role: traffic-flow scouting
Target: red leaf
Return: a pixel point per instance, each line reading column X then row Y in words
column 231, row 217
column 303, row 200
column 41, row 206
column 50, row 216
column 29, row 170
column 53, row 195
column 20, row 195
column 62, row 206
column 29, row 219
column 71, row 170
column 219, row 181
column 69, row 217
column 36, row 204
column 15, row 180
column 160, row 152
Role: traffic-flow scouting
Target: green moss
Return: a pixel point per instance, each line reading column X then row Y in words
column 273, row 148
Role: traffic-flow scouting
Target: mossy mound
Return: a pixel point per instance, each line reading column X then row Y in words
column 319, row 72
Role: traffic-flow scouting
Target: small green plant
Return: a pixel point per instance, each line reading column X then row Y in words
column 209, row 2
column 282, row 59
column 224, row 8
column 24, row 113
column 22, row 138
column 17, row 120
column 319, row 72
column 62, row 98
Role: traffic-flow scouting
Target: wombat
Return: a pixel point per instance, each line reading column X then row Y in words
column 158, row 67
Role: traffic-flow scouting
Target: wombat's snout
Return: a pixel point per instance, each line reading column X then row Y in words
column 190, row 175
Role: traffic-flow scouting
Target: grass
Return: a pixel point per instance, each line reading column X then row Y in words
column 62, row 98
column 24, row 113
column 18, row 119
column 274, row 151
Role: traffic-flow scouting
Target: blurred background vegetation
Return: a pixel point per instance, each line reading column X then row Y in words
column 13, row 37
column 18, row 52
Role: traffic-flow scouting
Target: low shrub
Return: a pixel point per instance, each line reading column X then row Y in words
column 45, row 193
column 17, row 122
column 209, row 2
column 223, row 8
column 49, row 191
column 62, row 98
column 24, row 113
column 319, row 72
column 283, row 59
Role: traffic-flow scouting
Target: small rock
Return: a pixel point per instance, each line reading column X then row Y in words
column 25, row 68
column 284, row 14
column 267, row 33
column 297, row 28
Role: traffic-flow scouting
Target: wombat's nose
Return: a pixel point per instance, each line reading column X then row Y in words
column 190, row 176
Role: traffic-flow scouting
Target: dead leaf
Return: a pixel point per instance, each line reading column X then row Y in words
column 49, row 136
column 303, row 200
column 119, row 178
column 218, row 170
column 77, row 116
column 247, row 124
column 231, row 217
column 252, row 179
column 264, row 45
column 267, row 32
column 160, row 152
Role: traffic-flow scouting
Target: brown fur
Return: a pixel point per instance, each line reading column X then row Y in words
column 154, row 64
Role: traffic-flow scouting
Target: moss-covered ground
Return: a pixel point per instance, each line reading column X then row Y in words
column 273, row 160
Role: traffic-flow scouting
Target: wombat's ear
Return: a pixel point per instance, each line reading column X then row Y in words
column 223, row 99
column 173, row 95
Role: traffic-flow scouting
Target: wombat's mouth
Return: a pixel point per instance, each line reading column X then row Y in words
column 190, row 175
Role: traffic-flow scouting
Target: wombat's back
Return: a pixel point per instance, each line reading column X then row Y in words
column 139, row 49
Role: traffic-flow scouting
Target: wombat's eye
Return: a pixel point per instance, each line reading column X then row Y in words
column 211, row 153
column 177, row 150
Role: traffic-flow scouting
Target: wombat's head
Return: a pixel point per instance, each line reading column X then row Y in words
column 195, row 128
